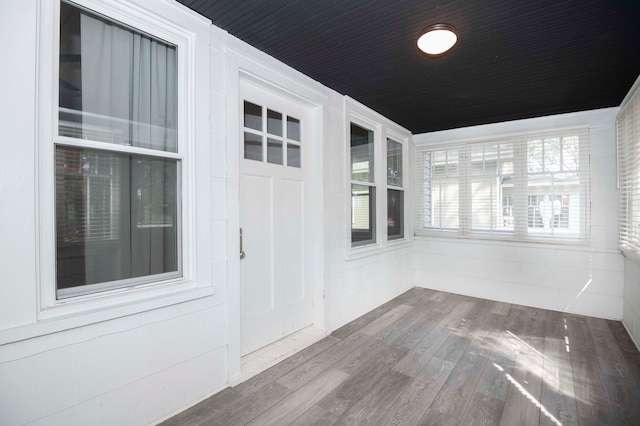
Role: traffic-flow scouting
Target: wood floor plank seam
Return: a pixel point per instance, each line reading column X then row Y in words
column 431, row 357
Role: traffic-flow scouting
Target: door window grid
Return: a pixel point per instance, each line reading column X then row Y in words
column 271, row 136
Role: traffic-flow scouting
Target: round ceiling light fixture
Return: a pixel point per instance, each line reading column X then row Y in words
column 437, row 39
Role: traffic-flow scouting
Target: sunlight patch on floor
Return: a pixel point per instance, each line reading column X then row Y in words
column 527, row 395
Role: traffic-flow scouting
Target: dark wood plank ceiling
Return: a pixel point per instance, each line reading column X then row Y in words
column 514, row 58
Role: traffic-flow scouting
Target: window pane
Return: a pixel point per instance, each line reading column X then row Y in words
column 395, row 214
column 363, row 216
column 293, row 155
column 252, row 146
column 553, row 187
column 293, row 129
column 116, row 85
column 442, row 189
column 252, row 116
column 570, row 153
column 535, row 156
column 116, row 217
column 361, row 154
column 274, row 123
column 394, row 163
column 552, row 154
column 274, row 151
column 554, row 212
column 491, row 186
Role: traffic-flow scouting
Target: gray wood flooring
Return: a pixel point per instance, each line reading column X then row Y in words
column 435, row 358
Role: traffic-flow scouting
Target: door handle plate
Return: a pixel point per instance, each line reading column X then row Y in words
column 242, row 253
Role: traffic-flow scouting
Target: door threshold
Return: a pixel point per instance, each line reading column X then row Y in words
column 258, row 361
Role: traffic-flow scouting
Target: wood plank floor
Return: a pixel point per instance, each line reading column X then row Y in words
column 435, row 358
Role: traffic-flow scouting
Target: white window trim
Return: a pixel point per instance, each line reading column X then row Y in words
column 382, row 129
column 375, row 128
column 403, row 140
column 465, row 233
column 169, row 23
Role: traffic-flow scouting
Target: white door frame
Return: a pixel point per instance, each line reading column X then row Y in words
column 240, row 66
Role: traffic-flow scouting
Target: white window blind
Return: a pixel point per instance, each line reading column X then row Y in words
column 629, row 173
column 440, row 198
column 529, row 186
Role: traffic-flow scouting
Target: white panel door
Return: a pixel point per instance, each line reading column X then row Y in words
column 275, row 273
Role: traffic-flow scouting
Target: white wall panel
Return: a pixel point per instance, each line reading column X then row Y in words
column 152, row 368
column 18, row 173
column 35, row 386
column 174, row 342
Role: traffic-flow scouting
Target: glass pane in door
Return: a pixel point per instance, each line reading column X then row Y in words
column 274, row 151
column 252, row 146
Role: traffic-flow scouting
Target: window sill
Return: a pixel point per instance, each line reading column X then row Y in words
column 80, row 312
column 375, row 249
column 576, row 244
column 632, row 256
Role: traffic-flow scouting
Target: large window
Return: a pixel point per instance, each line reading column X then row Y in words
column 117, row 157
column 527, row 187
column 629, row 173
column 377, row 180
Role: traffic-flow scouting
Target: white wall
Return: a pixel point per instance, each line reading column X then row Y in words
column 124, row 361
column 137, row 358
column 631, row 318
column 587, row 280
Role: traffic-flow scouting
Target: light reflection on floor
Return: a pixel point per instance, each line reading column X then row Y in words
column 530, row 397
column 525, row 356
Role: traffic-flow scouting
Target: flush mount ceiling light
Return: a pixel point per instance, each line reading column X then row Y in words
column 437, row 39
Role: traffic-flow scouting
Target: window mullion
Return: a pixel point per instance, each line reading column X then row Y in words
column 465, row 202
column 520, row 188
column 127, row 149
